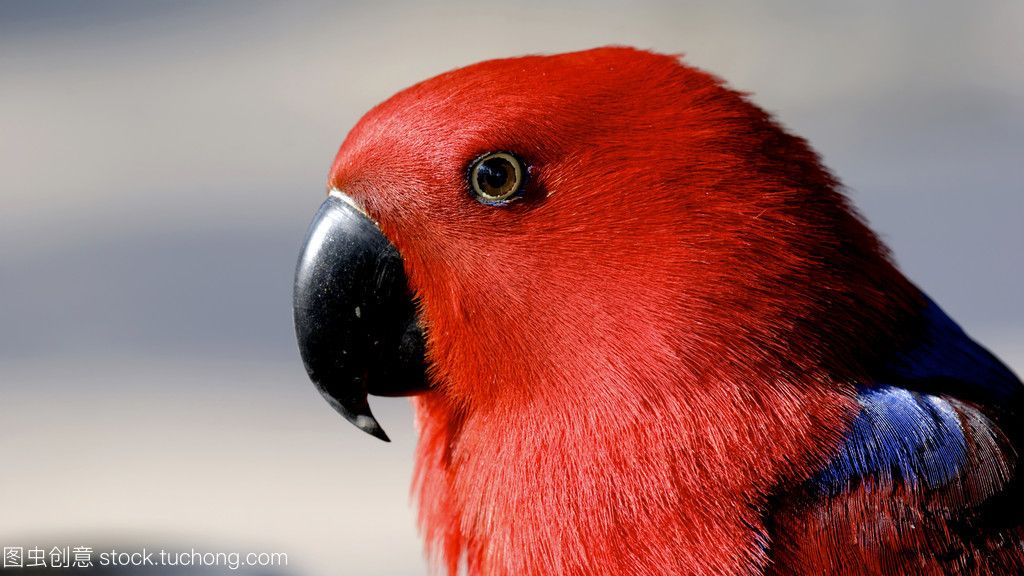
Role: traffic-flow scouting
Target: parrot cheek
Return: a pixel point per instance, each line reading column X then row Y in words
column 355, row 319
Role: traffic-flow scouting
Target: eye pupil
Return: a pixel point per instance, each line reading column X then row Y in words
column 494, row 173
column 497, row 177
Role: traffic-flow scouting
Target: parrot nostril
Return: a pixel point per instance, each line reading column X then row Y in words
column 497, row 178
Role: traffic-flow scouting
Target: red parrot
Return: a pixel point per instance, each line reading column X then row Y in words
column 647, row 334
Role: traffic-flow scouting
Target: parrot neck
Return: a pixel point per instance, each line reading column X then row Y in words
column 621, row 491
column 613, row 446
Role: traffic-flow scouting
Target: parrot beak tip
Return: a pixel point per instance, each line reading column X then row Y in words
column 360, row 416
column 369, row 425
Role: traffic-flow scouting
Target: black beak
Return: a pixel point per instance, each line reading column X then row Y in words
column 355, row 318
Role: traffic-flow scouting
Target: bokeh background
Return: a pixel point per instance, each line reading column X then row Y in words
column 159, row 163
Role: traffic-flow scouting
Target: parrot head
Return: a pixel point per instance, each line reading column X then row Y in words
column 606, row 250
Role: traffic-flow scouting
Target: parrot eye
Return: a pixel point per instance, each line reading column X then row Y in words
column 497, row 178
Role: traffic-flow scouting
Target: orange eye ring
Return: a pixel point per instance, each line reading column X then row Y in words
column 497, row 178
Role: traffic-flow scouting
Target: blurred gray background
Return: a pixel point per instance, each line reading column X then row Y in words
column 159, row 163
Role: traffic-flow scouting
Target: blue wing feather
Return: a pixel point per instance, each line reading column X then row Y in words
column 908, row 430
column 899, row 436
column 945, row 359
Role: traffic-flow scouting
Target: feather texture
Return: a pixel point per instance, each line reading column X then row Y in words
column 925, row 481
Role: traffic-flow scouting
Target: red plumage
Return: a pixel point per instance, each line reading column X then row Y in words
column 665, row 334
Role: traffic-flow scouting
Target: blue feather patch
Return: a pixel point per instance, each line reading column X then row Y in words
column 898, row 437
column 946, row 355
